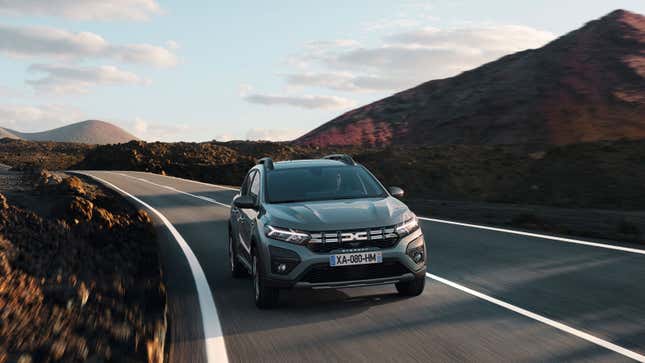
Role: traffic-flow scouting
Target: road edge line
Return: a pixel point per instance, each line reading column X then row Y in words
column 538, row 235
column 213, row 334
column 542, row 319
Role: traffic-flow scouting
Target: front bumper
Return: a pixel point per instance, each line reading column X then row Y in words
column 312, row 270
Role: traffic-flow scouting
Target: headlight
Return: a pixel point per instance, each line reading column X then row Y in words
column 286, row 235
column 407, row 227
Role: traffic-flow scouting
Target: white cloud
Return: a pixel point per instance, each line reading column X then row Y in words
column 28, row 118
column 45, row 41
column 172, row 44
column 273, row 134
column 407, row 58
column 245, row 89
column 83, row 9
column 140, row 126
column 156, row 131
column 144, row 54
column 503, row 38
column 10, row 92
column 61, row 44
column 385, row 24
column 72, row 79
column 327, row 44
column 315, row 50
column 224, row 137
column 306, row 101
column 343, row 81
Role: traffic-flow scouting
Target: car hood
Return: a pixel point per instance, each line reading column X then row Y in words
column 338, row 214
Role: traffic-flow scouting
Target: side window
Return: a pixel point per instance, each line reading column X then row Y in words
column 244, row 189
column 255, row 185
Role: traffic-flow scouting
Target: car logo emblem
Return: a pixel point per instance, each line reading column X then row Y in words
column 355, row 236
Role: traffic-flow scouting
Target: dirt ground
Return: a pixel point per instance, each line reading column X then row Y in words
column 80, row 279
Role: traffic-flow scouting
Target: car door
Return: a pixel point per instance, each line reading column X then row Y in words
column 237, row 216
column 248, row 216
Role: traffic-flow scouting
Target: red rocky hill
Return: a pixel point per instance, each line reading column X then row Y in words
column 584, row 86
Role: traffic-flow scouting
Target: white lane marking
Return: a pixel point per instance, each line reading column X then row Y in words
column 565, row 328
column 544, row 236
column 195, row 181
column 207, row 199
column 562, row 327
column 213, row 336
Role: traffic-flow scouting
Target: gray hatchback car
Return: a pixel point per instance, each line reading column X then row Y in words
column 320, row 224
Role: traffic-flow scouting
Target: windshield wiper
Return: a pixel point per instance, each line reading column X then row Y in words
column 289, row 201
column 324, row 199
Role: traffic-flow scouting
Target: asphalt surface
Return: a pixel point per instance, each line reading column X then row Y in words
column 596, row 291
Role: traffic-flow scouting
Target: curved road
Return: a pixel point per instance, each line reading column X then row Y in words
column 491, row 295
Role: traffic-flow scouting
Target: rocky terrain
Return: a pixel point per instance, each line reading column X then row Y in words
column 27, row 155
column 224, row 162
column 85, row 132
column 585, row 86
column 79, row 274
column 508, row 184
column 604, row 175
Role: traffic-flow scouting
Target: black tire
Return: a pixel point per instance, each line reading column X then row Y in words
column 237, row 269
column 411, row 288
column 265, row 297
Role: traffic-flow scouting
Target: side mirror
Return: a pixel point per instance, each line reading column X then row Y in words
column 396, row 192
column 245, row 202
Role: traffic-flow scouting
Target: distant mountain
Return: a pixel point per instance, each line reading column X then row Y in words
column 5, row 133
column 587, row 85
column 87, row 132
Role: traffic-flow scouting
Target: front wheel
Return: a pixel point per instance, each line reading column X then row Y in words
column 265, row 297
column 411, row 288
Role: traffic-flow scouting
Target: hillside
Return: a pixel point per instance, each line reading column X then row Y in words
column 587, row 85
column 4, row 133
column 25, row 155
column 87, row 132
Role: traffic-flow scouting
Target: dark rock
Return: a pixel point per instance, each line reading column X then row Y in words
column 584, row 86
column 3, row 202
column 80, row 209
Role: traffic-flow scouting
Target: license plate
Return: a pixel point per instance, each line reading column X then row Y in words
column 361, row 258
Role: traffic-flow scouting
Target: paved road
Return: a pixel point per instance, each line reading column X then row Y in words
column 491, row 296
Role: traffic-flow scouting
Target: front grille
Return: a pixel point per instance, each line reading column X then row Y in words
column 323, row 273
column 363, row 238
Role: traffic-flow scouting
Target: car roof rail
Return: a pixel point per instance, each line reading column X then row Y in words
column 341, row 157
column 267, row 162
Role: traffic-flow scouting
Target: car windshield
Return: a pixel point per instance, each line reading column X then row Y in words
column 321, row 183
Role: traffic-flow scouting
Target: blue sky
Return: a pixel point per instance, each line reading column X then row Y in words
column 203, row 70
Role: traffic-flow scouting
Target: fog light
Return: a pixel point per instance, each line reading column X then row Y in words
column 283, row 261
column 418, row 256
column 416, row 251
